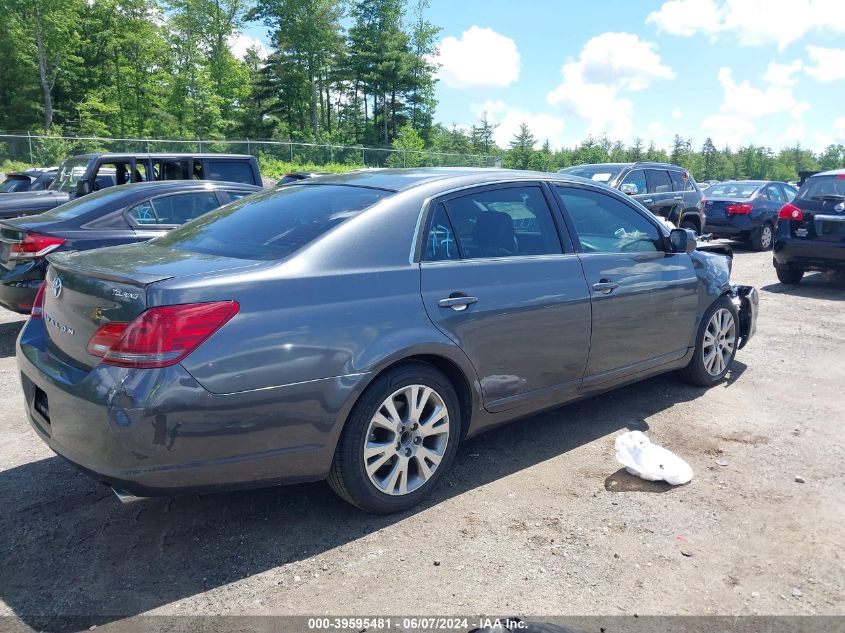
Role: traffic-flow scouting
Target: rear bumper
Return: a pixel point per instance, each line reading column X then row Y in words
column 19, row 286
column 733, row 227
column 749, row 306
column 809, row 254
column 158, row 432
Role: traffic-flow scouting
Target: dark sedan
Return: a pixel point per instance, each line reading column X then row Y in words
column 117, row 215
column 35, row 179
column 746, row 210
column 810, row 232
column 356, row 327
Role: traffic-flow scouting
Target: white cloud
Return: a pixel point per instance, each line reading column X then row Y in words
column 482, row 57
column 608, row 63
column 782, row 74
column 745, row 100
column 239, row 44
column 677, row 114
column 829, row 62
column 752, row 22
column 542, row 125
column 490, row 107
column 727, row 129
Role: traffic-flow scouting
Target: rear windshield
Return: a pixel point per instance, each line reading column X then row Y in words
column 80, row 206
column 272, row 225
column 821, row 186
column 599, row 173
column 732, row 190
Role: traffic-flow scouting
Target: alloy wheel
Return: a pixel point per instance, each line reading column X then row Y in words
column 719, row 341
column 766, row 237
column 406, row 439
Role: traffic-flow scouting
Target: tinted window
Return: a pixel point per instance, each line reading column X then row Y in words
column 636, row 177
column 172, row 169
column 789, row 192
column 274, row 224
column 175, row 209
column 607, row 225
column 679, row 183
column 440, row 243
column 503, row 223
column 230, row 171
column 817, row 186
column 659, row 181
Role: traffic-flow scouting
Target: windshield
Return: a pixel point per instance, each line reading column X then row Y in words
column 818, row 186
column 14, row 183
column 732, row 190
column 70, row 171
column 599, row 173
column 272, row 225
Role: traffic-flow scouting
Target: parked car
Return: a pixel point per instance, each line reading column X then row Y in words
column 810, row 233
column 704, row 184
column 356, row 327
column 118, row 215
column 668, row 191
column 35, row 179
column 80, row 175
column 746, row 210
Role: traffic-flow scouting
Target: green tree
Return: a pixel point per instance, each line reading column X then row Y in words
column 521, row 149
column 411, row 145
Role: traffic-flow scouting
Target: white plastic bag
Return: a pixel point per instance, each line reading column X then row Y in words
column 649, row 461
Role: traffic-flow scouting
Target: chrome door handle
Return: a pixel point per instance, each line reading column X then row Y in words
column 457, row 303
column 677, row 197
column 648, row 201
column 605, row 286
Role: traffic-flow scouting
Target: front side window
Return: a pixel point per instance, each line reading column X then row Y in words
column 636, row 178
column 70, row 172
column 607, row 225
column 508, row 222
column 274, row 224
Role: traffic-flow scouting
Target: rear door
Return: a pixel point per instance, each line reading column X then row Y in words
column 644, row 298
column 661, row 194
column 496, row 280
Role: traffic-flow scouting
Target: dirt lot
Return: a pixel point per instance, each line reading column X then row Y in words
column 535, row 518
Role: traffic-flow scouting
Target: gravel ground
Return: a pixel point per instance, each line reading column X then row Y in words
column 535, row 518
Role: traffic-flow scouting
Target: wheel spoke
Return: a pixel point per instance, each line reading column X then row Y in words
column 381, row 421
column 382, row 459
column 418, row 396
column 390, row 406
column 424, row 452
column 424, row 469
column 430, row 425
column 396, row 475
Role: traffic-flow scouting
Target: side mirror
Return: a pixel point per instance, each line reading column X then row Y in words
column 682, row 241
column 629, row 189
column 83, row 188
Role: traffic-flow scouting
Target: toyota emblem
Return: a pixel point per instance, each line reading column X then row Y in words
column 57, row 287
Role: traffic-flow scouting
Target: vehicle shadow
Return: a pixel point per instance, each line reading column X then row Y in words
column 8, row 335
column 828, row 286
column 69, row 548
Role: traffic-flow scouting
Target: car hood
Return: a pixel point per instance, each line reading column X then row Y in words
column 27, row 200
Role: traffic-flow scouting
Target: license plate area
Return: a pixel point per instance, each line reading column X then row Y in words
column 41, row 406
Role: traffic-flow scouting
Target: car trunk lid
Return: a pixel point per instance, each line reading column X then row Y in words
column 85, row 290
column 715, row 208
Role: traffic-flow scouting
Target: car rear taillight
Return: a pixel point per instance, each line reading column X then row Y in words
column 37, row 311
column 35, row 246
column 790, row 212
column 162, row 336
column 737, row 209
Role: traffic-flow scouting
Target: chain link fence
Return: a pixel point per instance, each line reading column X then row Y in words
column 41, row 150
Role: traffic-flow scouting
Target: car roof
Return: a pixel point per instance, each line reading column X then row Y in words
column 830, row 172
column 403, row 179
column 120, row 155
column 745, row 182
column 179, row 185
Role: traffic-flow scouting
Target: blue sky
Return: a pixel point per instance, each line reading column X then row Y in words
column 741, row 71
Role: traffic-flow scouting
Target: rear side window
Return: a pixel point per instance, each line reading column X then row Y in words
column 658, row 181
column 823, row 187
column 507, row 222
column 679, row 183
column 774, row 194
column 230, row 171
column 172, row 169
column 789, row 192
column 14, row 184
column 175, row 209
column 607, row 225
column 275, row 224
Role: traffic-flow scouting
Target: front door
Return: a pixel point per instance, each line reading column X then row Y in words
column 644, row 298
column 496, row 280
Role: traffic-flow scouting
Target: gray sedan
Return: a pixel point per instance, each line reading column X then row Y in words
column 356, row 327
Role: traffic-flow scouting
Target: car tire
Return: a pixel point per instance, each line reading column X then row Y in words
column 789, row 275
column 689, row 224
column 719, row 329
column 762, row 238
column 405, row 447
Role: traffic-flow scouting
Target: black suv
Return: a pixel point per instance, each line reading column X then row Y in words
column 80, row 175
column 810, row 233
column 666, row 190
